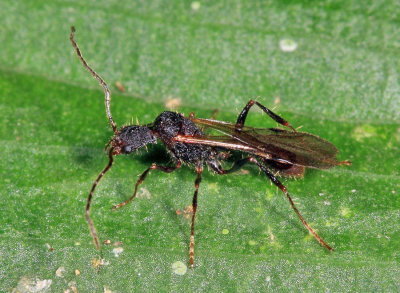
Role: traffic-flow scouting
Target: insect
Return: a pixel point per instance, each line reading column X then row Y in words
column 287, row 151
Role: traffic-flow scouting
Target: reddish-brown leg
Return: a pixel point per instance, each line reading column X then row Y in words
column 214, row 114
column 346, row 162
column 199, row 170
column 143, row 176
column 89, row 200
column 241, row 162
column 242, row 116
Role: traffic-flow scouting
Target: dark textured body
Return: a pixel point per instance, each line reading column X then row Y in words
column 168, row 125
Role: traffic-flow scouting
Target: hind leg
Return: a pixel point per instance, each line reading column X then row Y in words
column 217, row 168
column 242, row 116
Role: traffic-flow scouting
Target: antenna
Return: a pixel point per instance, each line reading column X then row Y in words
column 95, row 75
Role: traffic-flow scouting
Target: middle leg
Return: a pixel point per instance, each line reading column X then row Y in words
column 199, row 170
column 143, row 176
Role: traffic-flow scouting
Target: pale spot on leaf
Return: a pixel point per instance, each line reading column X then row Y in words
column 287, row 45
column 179, row 268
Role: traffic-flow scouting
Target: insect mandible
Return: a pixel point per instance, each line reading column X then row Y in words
column 287, row 151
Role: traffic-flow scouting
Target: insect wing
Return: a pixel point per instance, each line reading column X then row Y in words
column 283, row 146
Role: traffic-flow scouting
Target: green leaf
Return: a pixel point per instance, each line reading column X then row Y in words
column 341, row 82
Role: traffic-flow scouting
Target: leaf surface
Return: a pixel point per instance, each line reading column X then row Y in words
column 340, row 83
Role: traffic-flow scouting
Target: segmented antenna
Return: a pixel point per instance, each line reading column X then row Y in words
column 95, row 75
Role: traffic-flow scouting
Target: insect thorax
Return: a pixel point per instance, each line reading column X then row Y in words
column 168, row 125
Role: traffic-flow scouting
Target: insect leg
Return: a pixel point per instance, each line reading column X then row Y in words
column 216, row 166
column 274, row 180
column 345, row 162
column 242, row 116
column 199, row 170
column 89, row 200
column 143, row 176
column 214, row 114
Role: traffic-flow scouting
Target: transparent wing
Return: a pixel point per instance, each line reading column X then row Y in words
column 299, row 148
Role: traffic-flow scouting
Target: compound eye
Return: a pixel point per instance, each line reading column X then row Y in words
column 127, row 149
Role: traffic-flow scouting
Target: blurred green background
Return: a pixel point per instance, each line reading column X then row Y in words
column 331, row 67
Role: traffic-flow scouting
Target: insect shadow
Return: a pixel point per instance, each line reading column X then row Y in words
column 187, row 141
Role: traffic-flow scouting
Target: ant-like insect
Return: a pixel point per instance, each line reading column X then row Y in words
column 289, row 152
